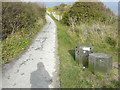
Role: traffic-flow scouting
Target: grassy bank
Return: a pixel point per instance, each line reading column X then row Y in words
column 72, row 74
column 17, row 43
column 21, row 22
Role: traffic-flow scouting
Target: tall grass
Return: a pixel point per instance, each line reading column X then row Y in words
column 98, row 33
column 102, row 36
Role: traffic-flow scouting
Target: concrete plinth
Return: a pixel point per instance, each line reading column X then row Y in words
column 100, row 62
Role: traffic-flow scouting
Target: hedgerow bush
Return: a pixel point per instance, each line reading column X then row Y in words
column 19, row 15
column 88, row 12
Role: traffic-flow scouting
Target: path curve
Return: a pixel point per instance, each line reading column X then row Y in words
column 38, row 66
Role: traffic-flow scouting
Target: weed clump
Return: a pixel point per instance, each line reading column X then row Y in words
column 111, row 41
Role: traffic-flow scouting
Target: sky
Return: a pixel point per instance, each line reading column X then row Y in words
column 113, row 6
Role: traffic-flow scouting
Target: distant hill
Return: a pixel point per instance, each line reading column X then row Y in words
column 88, row 12
column 61, row 9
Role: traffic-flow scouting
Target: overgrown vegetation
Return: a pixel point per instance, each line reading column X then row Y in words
column 89, row 12
column 89, row 24
column 20, row 23
column 72, row 75
column 86, row 23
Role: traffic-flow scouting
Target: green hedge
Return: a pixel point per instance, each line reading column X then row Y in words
column 19, row 15
column 88, row 12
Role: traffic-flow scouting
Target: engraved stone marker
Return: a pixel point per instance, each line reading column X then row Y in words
column 82, row 53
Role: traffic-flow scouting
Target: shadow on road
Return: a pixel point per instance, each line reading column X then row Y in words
column 40, row 78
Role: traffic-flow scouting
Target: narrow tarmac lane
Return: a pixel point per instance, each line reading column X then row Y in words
column 38, row 66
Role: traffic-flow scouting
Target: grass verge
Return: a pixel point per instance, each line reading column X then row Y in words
column 71, row 74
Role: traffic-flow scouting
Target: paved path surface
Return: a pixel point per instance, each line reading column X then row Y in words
column 38, row 66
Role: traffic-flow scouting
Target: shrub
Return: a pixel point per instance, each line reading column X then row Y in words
column 19, row 15
column 88, row 12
